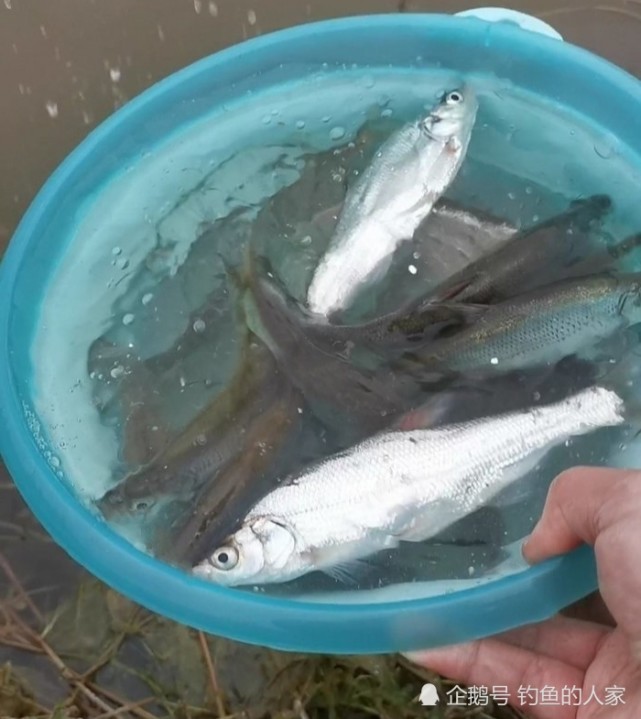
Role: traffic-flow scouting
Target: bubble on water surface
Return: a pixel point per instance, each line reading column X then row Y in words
column 52, row 108
column 300, row 124
column 199, row 326
column 147, row 298
column 336, row 133
column 114, row 74
column 251, row 17
column 128, row 319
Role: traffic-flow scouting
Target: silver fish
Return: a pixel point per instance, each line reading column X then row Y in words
column 397, row 191
column 395, row 487
column 538, row 328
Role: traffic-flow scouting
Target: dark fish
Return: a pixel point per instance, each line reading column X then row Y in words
column 538, row 328
column 369, row 397
column 207, row 443
column 540, row 255
column 232, row 489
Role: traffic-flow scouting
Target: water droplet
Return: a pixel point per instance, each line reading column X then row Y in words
column 604, row 147
column 198, row 6
column 336, row 133
column 300, row 124
column 528, row 190
column 416, row 255
column 251, row 17
column 199, row 326
column 116, row 251
column 52, row 108
column 114, row 74
column 117, row 371
column 369, row 81
column 123, row 263
column 511, row 196
column 183, row 382
column 387, row 112
column 266, row 120
column 128, row 319
column 307, row 240
column 54, row 461
column 327, row 118
column 146, row 299
column 494, row 360
column 213, row 9
column 412, row 269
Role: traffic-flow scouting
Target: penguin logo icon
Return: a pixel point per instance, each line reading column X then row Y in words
column 428, row 696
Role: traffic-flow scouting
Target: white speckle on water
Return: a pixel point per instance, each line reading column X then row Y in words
column 43, row 31
column 300, row 124
column 336, row 133
column 117, row 371
column 198, row 6
column 327, row 118
column 412, row 269
column 183, row 382
column 416, row 255
column 306, row 241
column 494, row 360
column 128, row 319
column 52, row 108
column 511, row 196
column 116, row 251
column 251, row 17
column 146, row 299
column 213, row 9
column 114, row 74
column 528, row 190
column 266, row 120
column 21, row 88
column 7, row 4
column 201, row 439
column 161, row 33
column 86, row 117
column 387, row 112
column 470, row 571
column 300, row 410
column 199, row 326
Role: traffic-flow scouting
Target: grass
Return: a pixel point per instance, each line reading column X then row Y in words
column 100, row 656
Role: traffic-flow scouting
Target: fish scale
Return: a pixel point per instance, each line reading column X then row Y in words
column 399, row 486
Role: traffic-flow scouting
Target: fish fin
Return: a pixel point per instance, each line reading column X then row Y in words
column 348, row 572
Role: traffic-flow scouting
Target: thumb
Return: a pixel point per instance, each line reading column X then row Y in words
column 581, row 503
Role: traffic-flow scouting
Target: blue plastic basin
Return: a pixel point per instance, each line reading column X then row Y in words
column 555, row 70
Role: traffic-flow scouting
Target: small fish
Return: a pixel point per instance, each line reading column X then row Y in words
column 396, row 487
column 231, row 490
column 397, row 191
column 538, row 328
column 206, row 444
column 537, row 256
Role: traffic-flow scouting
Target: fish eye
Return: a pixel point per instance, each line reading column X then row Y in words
column 453, row 98
column 225, row 558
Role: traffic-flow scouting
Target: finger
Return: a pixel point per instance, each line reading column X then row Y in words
column 578, row 506
column 571, row 641
column 491, row 662
column 590, row 609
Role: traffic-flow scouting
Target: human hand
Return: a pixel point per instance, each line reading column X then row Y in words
column 601, row 507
